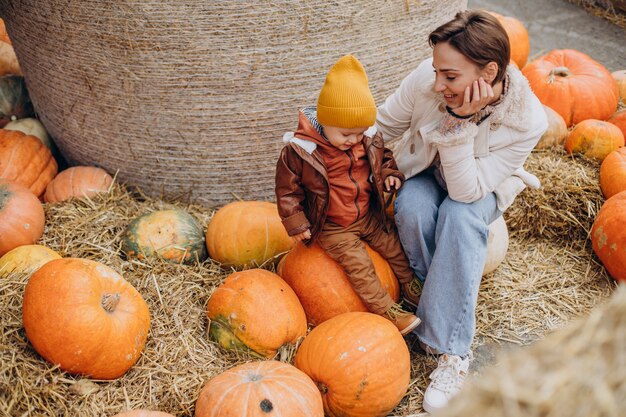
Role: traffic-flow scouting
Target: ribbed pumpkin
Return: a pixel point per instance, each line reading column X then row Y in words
column 22, row 217
column 259, row 389
column 25, row 160
column 613, row 173
column 14, row 99
column 518, row 38
column 556, row 133
column 85, row 317
column 608, row 235
column 172, row 235
column 33, row 127
column 360, row 363
column 594, row 139
column 619, row 120
column 77, row 182
column 323, row 287
column 26, row 259
column 246, row 233
column 620, row 80
column 143, row 413
column 574, row 85
column 255, row 311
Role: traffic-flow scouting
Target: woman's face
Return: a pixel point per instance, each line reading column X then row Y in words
column 453, row 72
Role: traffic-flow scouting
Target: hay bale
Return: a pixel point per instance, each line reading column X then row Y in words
column 567, row 202
column 192, row 98
column 579, row 371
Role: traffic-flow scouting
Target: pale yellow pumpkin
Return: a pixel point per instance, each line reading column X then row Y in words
column 497, row 245
column 31, row 126
column 556, row 134
column 26, row 259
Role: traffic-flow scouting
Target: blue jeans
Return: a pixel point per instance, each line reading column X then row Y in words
column 446, row 244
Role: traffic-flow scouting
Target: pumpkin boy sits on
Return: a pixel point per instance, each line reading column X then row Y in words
column 329, row 188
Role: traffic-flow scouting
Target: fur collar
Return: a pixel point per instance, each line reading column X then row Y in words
column 511, row 112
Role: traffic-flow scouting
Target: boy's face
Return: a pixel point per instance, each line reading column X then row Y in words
column 344, row 138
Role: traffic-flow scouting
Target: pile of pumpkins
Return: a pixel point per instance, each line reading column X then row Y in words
column 352, row 363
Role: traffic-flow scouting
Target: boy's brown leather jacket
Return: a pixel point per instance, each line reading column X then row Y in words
column 302, row 191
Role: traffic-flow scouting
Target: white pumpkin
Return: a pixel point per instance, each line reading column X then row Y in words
column 31, row 126
column 497, row 245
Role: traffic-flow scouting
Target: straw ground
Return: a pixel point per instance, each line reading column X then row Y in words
column 549, row 277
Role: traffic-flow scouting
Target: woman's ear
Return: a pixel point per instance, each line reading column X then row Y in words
column 490, row 71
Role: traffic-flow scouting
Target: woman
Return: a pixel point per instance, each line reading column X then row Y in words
column 467, row 122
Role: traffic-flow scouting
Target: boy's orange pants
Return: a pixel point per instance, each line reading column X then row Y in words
column 345, row 245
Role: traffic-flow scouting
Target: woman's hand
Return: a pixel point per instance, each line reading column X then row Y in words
column 302, row 236
column 476, row 97
column 392, row 183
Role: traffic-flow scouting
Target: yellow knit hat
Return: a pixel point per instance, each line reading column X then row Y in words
column 345, row 100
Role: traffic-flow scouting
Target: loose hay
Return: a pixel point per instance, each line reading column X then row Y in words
column 579, row 371
column 541, row 285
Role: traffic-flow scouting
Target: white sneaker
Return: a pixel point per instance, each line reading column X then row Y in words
column 446, row 381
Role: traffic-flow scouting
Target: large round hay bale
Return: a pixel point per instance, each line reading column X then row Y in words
column 191, row 98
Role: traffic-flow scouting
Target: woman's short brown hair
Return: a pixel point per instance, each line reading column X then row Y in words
column 479, row 36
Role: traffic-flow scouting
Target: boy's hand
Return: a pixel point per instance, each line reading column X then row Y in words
column 392, row 183
column 302, row 236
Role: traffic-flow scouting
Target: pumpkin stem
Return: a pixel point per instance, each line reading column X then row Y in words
column 558, row 72
column 322, row 387
column 110, row 301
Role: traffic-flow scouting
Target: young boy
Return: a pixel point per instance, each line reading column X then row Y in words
column 329, row 188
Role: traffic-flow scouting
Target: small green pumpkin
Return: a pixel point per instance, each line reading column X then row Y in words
column 14, row 100
column 173, row 235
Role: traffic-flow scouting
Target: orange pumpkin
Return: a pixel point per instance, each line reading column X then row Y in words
column 613, row 173
column 594, row 139
column 85, row 317
column 259, row 389
column 26, row 259
column 172, row 235
column 77, row 182
column 8, row 60
column 255, row 311
column 323, row 287
column 619, row 120
column 246, row 233
column 518, row 38
column 574, row 85
column 556, row 133
column 25, row 160
column 22, row 217
column 143, row 413
column 4, row 36
column 608, row 235
column 360, row 364
column 620, row 80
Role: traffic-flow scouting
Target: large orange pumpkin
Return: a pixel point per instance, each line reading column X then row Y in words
column 323, row 287
column 594, row 139
column 77, row 182
column 608, row 235
column 22, row 217
column 85, row 317
column 620, row 80
column 26, row 259
column 360, row 363
column 246, row 233
column 259, row 389
column 172, row 235
column 254, row 310
column 518, row 38
column 574, row 85
column 25, row 160
column 619, row 120
column 613, row 173
column 556, row 133
column 143, row 413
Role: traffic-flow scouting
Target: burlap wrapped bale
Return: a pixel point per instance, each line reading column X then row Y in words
column 191, row 98
column 579, row 371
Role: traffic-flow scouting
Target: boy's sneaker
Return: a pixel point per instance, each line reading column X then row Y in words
column 411, row 292
column 446, row 381
column 404, row 321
